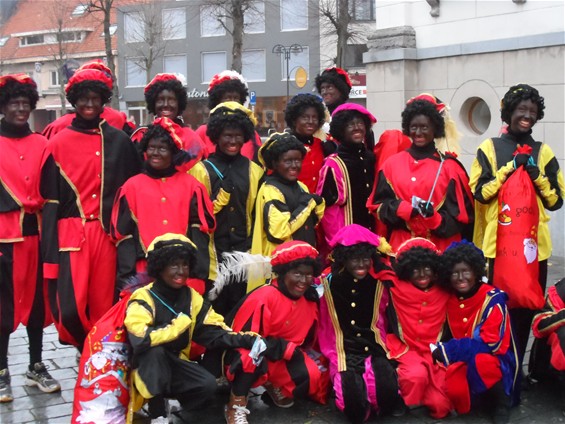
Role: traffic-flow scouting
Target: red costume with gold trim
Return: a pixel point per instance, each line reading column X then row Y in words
column 481, row 352
column 147, row 206
column 22, row 287
column 270, row 313
column 413, row 173
column 82, row 172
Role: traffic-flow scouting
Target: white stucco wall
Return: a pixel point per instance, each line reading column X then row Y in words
column 465, row 21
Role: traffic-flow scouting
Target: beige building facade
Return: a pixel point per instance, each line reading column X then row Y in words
column 469, row 56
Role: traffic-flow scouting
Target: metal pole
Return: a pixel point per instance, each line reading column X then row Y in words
column 287, row 57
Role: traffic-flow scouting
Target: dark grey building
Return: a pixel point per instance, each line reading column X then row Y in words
column 186, row 37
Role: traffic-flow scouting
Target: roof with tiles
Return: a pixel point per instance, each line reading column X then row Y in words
column 32, row 18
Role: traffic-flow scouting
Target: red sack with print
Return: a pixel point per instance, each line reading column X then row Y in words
column 516, row 268
column 102, row 389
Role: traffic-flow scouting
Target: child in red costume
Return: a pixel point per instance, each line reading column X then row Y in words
column 417, row 315
column 479, row 350
column 159, row 200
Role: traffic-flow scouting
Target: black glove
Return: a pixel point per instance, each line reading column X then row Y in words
column 304, row 198
column 227, row 185
column 275, row 348
column 437, row 356
column 521, row 159
column 317, row 199
column 426, row 209
column 533, row 171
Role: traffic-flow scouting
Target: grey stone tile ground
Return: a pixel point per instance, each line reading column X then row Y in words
column 539, row 404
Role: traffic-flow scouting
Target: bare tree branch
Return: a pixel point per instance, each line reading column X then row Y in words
column 230, row 15
column 104, row 7
column 55, row 13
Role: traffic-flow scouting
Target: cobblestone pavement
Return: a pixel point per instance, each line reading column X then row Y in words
column 539, row 404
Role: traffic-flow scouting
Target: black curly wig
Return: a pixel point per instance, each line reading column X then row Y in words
column 298, row 105
column 163, row 255
column 173, row 85
column 80, row 89
column 216, row 93
column 339, row 83
column 160, row 133
column 13, row 89
column 341, row 119
column 415, row 258
column 282, row 269
column 462, row 252
column 341, row 254
column 277, row 145
column 221, row 121
column 423, row 107
column 515, row 95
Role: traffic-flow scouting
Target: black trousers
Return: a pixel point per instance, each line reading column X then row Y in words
column 521, row 318
column 165, row 374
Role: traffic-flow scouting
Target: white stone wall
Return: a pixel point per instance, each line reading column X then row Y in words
column 465, row 21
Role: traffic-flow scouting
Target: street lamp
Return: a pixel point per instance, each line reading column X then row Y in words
column 287, row 50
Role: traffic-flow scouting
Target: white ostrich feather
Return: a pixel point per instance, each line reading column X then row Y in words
column 240, row 267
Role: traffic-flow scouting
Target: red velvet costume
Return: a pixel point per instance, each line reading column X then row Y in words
column 410, row 173
column 147, row 206
column 481, row 352
column 271, row 313
column 113, row 117
column 417, row 318
column 249, row 149
column 312, row 163
column 83, row 170
column 22, row 288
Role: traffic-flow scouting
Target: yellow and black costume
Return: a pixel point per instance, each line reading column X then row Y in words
column 161, row 322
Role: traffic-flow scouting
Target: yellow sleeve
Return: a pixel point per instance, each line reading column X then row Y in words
column 200, row 172
column 139, row 322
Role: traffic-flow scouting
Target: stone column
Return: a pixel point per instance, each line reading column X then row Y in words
column 392, row 76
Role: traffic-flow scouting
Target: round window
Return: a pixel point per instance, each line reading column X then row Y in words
column 475, row 114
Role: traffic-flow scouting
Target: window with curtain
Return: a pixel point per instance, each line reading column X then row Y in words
column 212, row 64
column 294, row 15
column 175, row 64
column 134, row 27
column 135, row 74
column 174, row 24
column 254, row 18
column 209, row 24
column 254, row 65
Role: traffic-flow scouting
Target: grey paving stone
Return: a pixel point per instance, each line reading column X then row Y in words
column 53, row 413
column 18, row 416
